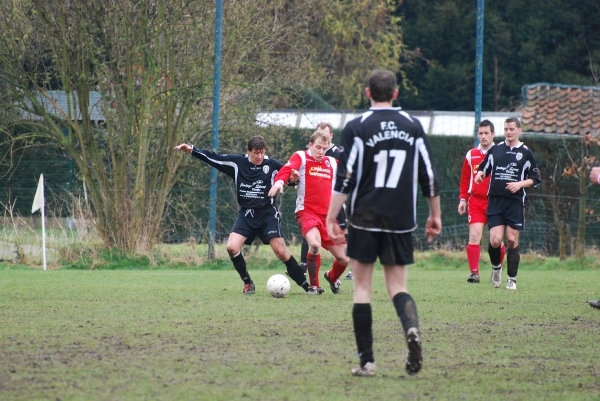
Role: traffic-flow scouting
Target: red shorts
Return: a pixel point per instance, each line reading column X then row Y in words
column 477, row 207
column 307, row 220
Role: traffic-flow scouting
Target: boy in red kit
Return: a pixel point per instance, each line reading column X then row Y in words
column 475, row 197
column 316, row 174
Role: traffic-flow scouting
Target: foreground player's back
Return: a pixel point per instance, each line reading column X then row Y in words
column 386, row 153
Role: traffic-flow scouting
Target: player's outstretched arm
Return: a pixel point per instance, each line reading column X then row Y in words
column 184, row 147
column 433, row 226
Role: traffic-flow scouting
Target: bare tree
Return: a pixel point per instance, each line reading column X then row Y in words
column 152, row 63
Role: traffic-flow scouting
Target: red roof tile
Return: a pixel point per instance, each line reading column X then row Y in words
column 555, row 108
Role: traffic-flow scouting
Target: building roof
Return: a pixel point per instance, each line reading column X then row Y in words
column 561, row 109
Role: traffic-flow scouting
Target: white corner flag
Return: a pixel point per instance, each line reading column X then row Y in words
column 38, row 203
column 38, row 200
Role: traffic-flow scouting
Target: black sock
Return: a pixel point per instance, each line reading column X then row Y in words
column 406, row 309
column 295, row 272
column 363, row 332
column 303, row 251
column 513, row 257
column 240, row 266
column 494, row 255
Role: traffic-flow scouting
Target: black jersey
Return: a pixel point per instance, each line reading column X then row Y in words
column 506, row 164
column 252, row 182
column 384, row 155
column 333, row 151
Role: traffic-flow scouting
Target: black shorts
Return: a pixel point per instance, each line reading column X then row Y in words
column 391, row 248
column 503, row 211
column 264, row 223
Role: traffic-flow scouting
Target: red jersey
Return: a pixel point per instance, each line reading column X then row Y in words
column 468, row 187
column 315, row 183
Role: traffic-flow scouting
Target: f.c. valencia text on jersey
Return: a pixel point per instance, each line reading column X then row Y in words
column 399, row 159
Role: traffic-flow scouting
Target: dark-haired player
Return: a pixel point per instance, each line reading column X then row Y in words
column 253, row 174
column 512, row 168
column 384, row 157
column 473, row 197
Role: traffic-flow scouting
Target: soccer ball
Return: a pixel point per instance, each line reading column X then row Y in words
column 278, row 285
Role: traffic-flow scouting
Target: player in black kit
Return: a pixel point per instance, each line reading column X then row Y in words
column 253, row 174
column 512, row 167
column 384, row 155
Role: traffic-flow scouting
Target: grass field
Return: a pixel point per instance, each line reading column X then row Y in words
column 192, row 335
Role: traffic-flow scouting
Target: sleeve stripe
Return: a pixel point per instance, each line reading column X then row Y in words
column 423, row 152
column 355, row 154
column 223, row 163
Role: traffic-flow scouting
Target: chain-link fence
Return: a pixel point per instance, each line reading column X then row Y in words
column 551, row 208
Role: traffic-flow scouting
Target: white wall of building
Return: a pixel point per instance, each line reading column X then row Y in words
column 455, row 123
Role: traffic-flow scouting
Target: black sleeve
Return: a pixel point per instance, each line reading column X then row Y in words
column 534, row 171
column 428, row 176
column 344, row 183
column 277, row 165
column 486, row 164
column 224, row 163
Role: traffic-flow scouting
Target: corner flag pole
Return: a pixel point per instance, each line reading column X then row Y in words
column 38, row 203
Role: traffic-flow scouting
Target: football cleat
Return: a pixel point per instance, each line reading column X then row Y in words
column 249, row 289
column 414, row 357
column 511, row 284
column 496, row 276
column 335, row 286
column 473, row 278
column 595, row 304
column 367, row 370
column 312, row 290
